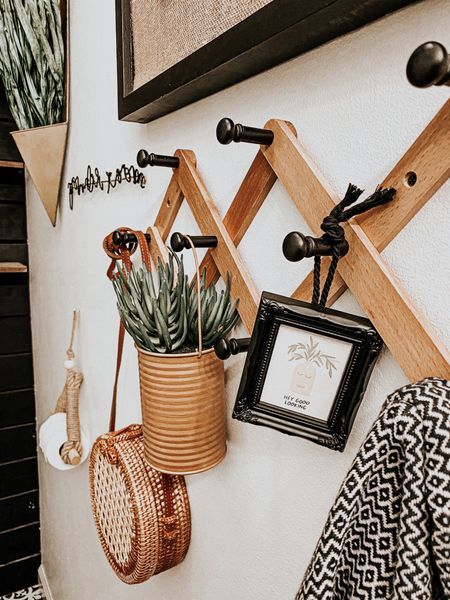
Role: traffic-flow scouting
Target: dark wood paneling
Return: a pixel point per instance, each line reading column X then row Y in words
column 8, row 148
column 16, row 372
column 14, row 253
column 17, row 442
column 15, row 335
column 17, row 477
column 19, row 510
column 19, row 498
column 5, row 113
column 10, row 192
column 9, row 176
column 12, row 223
column 16, row 408
column 17, row 543
column 19, row 575
column 13, row 295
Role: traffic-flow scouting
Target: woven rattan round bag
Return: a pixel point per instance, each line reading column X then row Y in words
column 142, row 516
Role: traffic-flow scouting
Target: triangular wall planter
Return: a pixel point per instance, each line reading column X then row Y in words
column 43, row 150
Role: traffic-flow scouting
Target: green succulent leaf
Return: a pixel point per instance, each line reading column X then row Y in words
column 32, row 61
column 159, row 308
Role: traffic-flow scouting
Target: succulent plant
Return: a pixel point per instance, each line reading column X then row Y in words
column 32, row 60
column 159, row 309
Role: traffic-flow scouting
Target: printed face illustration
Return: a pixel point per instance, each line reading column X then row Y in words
column 303, row 378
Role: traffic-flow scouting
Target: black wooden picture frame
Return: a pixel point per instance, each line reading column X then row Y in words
column 360, row 342
column 277, row 32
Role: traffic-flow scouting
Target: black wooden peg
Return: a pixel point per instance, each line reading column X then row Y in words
column 297, row 246
column 429, row 65
column 120, row 238
column 144, row 159
column 225, row 348
column 228, row 132
column 179, row 242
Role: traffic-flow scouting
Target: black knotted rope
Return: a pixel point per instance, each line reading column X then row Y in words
column 334, row 234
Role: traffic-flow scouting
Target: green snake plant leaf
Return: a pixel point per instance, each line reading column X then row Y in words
column 32, row 60
column 159, row 308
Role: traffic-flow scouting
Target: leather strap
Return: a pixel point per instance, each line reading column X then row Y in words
column 112, row 413
column 122, row 253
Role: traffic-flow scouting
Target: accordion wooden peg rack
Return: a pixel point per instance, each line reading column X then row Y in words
column 186, row 184
column 420, row 172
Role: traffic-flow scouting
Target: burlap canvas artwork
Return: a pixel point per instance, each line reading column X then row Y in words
column 167, row 31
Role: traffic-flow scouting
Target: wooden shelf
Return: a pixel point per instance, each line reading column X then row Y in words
column 11, row 164
column 13, row 267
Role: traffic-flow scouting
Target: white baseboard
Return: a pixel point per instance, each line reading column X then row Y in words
column 44, row 582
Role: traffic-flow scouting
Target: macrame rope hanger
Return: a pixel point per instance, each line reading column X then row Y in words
column 68, row 402
column 334, row 233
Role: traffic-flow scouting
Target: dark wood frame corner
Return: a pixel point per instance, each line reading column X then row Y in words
column 281, row 30
column 276, row 310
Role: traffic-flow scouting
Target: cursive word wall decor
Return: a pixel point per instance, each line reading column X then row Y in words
column 93, row 180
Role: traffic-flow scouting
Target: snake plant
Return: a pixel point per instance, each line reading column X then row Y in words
column 160, row 309
column 32, row 61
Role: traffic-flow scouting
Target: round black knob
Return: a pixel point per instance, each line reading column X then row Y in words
column 177, row 242
column 225, row 131
column 222, row 348
column 295, row 246
column 143, row 158
column 428, row 65
column 117, row 238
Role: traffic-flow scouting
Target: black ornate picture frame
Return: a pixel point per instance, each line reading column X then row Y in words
column 273, row 34
column 306, row 370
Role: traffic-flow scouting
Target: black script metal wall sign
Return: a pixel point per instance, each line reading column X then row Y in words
column 93, row 181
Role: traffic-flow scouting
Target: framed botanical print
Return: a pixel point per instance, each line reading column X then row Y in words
column 173, row 52
column 306, row 370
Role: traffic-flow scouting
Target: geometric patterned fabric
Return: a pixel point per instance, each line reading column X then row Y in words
column 388, row 533
column 32, row 593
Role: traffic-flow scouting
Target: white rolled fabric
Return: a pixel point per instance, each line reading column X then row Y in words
column 52, row 435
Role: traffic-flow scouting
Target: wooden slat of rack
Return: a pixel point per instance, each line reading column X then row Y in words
column 252, row 192
column 157, row 246
column 226, row 256
column 170, row 206
column 429, row 158
column 404, row 329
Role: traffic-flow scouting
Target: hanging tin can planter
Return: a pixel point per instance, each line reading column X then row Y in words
column 174, row 326
column 183, row 410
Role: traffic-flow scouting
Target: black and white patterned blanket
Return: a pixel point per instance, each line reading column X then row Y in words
column 31, row 593
column 388, row 533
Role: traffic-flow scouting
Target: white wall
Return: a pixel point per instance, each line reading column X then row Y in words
column 257, row 516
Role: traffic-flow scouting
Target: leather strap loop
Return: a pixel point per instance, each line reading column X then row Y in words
column 122, row 253
column 116, row 253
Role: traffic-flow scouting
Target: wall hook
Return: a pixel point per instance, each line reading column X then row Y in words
column 179, row 242
column 429, row 65
column 225, row 348
column 144, row 159
column 120, row 238
column 228, row 132
column 297, row 246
